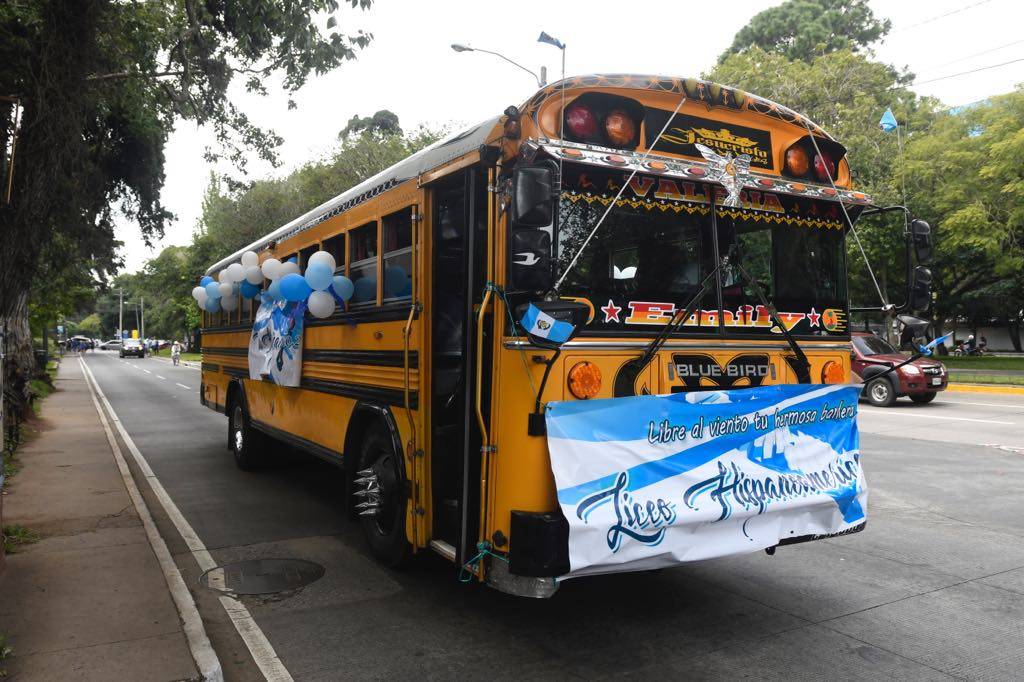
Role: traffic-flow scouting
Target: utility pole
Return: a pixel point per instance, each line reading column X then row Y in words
column 120, row 315
column 142, row 325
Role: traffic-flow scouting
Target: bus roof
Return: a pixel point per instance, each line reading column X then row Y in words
column 426, row 159
column 472, row 138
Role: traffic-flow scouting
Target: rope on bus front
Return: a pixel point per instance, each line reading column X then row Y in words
column 491, row 286
column 469, row 568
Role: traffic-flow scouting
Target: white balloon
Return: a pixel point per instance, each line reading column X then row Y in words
column 228, row 303
column 226, row 289
column 271, row 268
column 288, row 268
column 254, row 275
column 250, row 259
column 222, row 276
column 322, row 257
column 201, row 298
column 320, row 304
column 236, row 273
column 196, row 291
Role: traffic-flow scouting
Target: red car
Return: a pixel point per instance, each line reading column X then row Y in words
column 921, row 380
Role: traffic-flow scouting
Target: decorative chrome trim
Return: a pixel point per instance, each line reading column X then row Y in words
column 595, row 155
column 444, row 549
column 696, row 344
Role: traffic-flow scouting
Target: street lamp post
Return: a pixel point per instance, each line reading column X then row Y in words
column 541, row 79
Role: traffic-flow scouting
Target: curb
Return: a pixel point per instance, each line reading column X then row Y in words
column 983, row 388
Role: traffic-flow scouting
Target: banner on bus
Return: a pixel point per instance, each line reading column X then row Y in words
column 656, row 480
column 275, row 347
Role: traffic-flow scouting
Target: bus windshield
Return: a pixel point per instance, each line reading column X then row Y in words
column 661, row 239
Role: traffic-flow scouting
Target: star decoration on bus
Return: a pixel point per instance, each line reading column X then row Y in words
column 813, row 318
column 611, row 311
column 732, row 172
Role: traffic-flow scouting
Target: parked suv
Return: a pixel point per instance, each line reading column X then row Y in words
column 921, row 380
column 133, row 347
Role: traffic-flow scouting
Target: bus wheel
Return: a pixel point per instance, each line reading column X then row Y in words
column 246, row 444
column 380, row 498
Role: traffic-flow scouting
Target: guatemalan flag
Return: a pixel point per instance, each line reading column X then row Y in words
column 539, row 323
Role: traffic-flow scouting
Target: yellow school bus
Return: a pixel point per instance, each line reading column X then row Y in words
column 428, row 392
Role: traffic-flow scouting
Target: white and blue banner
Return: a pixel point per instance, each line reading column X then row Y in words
column 655, row 480
column 275, row 347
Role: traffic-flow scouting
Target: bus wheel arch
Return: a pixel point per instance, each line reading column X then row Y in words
column 377, row 481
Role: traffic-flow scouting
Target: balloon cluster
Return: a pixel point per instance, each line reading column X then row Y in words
column 319, row 288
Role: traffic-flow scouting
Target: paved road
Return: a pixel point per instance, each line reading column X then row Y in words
column 933, row 589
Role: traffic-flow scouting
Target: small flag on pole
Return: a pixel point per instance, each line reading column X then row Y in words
column 545, row 38
column 539, row 323
column 888, row 122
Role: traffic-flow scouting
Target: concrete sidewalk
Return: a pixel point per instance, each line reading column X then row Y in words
column 88, row 601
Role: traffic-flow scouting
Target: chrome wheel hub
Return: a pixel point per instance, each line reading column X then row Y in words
column 879, row 392
column 369, row 492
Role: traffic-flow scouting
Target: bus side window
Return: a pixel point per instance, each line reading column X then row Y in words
column 305, row 253
column 336, row 247
column 362, row 269
column 398, row 255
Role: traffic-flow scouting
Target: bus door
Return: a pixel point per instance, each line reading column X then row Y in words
column 458, row 270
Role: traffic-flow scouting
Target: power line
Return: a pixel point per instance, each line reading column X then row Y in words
column 962, row 73
column 976, row 54
column 941, row 16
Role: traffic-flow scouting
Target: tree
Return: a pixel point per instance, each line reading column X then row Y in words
column 966, row 174
column 232, row 219
column 101, row 84
column 90, row 325
column 803, row 29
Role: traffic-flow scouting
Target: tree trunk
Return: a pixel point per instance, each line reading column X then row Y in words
column 19, row 362
column 1013, row 330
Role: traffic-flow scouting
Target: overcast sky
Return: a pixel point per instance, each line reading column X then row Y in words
column 410, row 69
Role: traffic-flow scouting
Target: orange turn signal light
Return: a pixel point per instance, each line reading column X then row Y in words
column 833, row 373
column 797, row 162
column 584, row 380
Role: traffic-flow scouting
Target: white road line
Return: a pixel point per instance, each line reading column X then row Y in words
column 160, row 377
column 147, row 371
column 262, row 651
column 187, row 388
column 198, row 642
column 1019, row 406
column 904, row 413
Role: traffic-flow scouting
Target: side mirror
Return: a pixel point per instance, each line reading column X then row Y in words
column 532, row 231
column 921, row 235
column 920, row 294
column 549, row 324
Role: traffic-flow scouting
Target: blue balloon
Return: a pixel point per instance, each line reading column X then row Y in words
column 293, row 259
column 275, row 290
column 396, row 281
column 250, row 290
column 318, row 276
column 294, row 287
column 365, row 290
column 343, row 287
column 212, row 305
column 205, row 280
column 212, row 291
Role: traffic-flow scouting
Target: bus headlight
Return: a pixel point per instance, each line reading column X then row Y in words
column 833, row 373
column 584, row 380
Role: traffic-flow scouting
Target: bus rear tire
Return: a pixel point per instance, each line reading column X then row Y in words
column 380, row 496
column 247, row 444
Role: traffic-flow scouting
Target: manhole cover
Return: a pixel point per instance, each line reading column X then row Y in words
column 262, row 576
